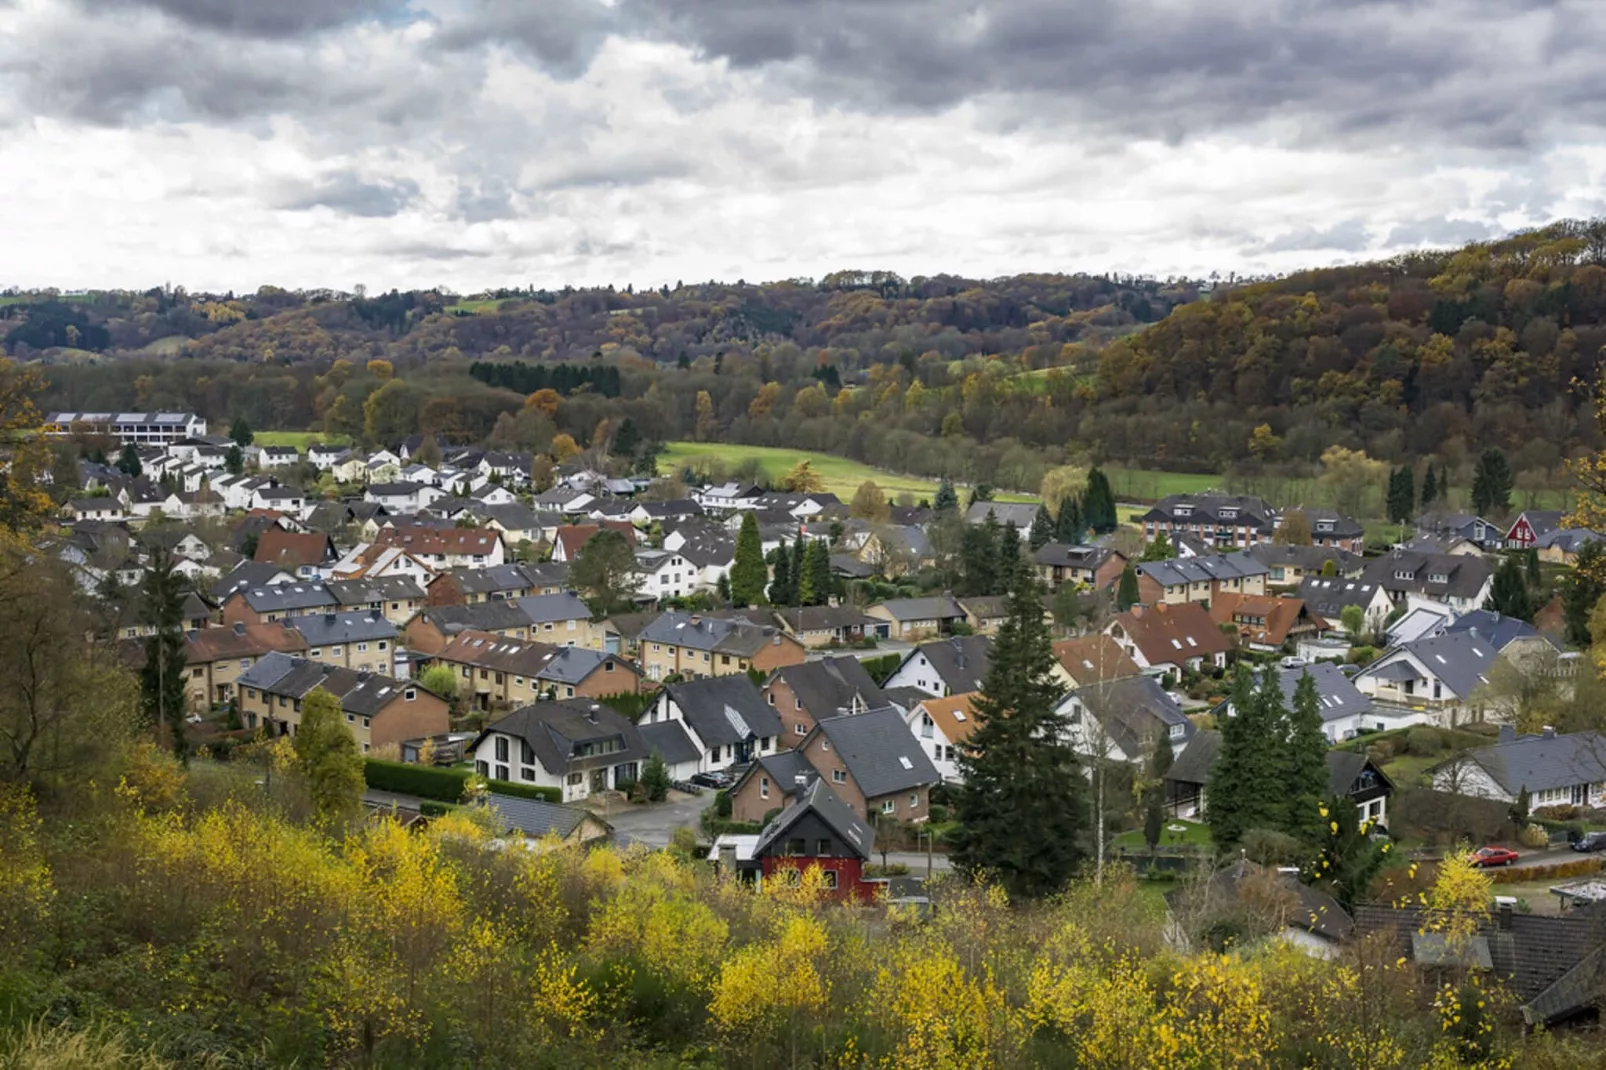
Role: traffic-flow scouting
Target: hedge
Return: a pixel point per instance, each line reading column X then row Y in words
column 444, row 785
column 1578, row 867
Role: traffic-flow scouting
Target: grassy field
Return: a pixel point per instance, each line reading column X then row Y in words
column 1129, row 483
column 474, row 308
column 1192, row 834
column 299, row 439
column 842, row 476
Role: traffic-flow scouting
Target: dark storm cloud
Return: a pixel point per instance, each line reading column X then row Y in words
column 266, row 18
column 1441, row 232
column 349, row 195
column 1347, row 236
column 561, row 36
column 1163, row 69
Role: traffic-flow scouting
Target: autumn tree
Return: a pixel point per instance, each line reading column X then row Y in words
column 706, row 427
column 748, row 575
column 869, row 503
column 24, row 455
column 429, row 452
column 1263, row 444
column 381, row 370
column 543, row 474
column 1293, row 529
column 564, row 447
column 327, row 758
column 390, row 413
column 1348, row 475
column 604, row 570
column 1022, row 805
column 803, row 479
column 544, row 401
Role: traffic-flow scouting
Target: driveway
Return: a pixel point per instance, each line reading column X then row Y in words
column 654, row 823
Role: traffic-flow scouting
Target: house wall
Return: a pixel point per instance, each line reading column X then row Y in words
column 367, row 655
column 918, row 672
column 403, row 718
column 796, row 722
column 751, row 802
column 931, row 739
column 849, row 874
column 904, row 806
column 236, row 610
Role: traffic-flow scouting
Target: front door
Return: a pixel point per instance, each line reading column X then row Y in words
column 599, row 780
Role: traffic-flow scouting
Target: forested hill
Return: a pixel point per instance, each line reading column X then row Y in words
column 1435, row 354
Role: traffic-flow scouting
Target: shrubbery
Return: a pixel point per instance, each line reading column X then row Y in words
column 443, row 785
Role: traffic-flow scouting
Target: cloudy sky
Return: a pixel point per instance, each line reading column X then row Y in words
column 474, row 143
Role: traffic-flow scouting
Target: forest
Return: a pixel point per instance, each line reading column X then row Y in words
column 1433, row 355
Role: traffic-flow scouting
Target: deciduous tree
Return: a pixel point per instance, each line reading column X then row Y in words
column 869, row 503
column 327, row 758
column 162, row 680
column 604, row 571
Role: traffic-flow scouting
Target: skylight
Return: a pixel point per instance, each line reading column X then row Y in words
column 959, row 715
column 905, row 762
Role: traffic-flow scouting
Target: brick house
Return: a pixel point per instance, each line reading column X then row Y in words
column 397, row 598
column 694, row 646
column 821, row 832
column 873, row 763
column 362, row 641
column 1059, row 563
column 380, row 711
column 217, row 657
column 495, row 672
column 803, row 695
column 1220, row 520
column 1200, row 579
column 1166, row 639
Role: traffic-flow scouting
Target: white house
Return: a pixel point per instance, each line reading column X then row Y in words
column 577, row 745
column 1557, row 770
column 941, row 726
column 1441, row 676
column 725, row 716
column 1122, row 720
column 403, row 497
column 665, row 574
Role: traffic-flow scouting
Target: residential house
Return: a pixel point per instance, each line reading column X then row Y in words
column 249, row 574
column 362, row 641
column 1330, row 529
column 216, row 657
column 1460, row 581
column 1300, row 915
column 270, row 458
column 373, row 561
column 918, row 618
column 568, row 539
column 873, row 763
column 822, row 832
column 517, row 523
column 771, row 782
column 304, row 554
column 262, row 605
column 1442, row 676
column 803, row 695
column 397, row 598
column 1345, row 710
column 562, row 619
column 1557, row 769
column 1562, row 547
column 1018, row 515
column 942, row 726
column 1123, row 720
column 403, row 498
column 945, row 667
column 691, row 645
column 499, row 673
column 727, row 496
column 1264, row 623
column 380, row 711
column 888, row 549
column 1222, row 520
column 1533, row 526
column 1484, row 534
column 1350, row 776
column 325, row 457
column 279, row 497
column 139, row 428
column 1098, row 567
column 1289, row 566
column 682, row 757
column 1513, row 638
column 106, row 508
column 726, row 717
column 431, row 630
column 984, row 615
column 710, row 553
column 1419, row 622
column 824, row 626
column 580, row 746
column 1200, row 579
column 665, row 574
column 1166, row 639
column 1327, row 596
column 443, row 548
column 536, row 819
column 1092, row 659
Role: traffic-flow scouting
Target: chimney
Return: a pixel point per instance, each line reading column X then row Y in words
column 1505, row 906
column 239, row 627
column 591, row 714
column 1508, row 734
column 1549, row 732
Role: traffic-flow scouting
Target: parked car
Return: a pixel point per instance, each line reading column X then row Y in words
column 718, row 780
column 1590, row 841
column 1485, row 857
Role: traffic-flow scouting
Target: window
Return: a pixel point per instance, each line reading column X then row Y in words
column 914, row 800
column 245, row 663
column 362, row 648
column 526, row 773
column 196, row 672
column 576, row 779
column 366, row 721
column 607, row 666
column 334, row 651
column 825, row 744
column 410, row 694
column 887, row 806
column 251, row 692
column 365, row 748
column 351, row 718
column 799, row 729
column 501, row 772
column 382, row 644
column 795, row 847
column 829, row 876
column 763, row 787
column 822, row 848
column 315, row 652
column 501, row 748
column 926, row 725
column 838, row 777
column 568, row 692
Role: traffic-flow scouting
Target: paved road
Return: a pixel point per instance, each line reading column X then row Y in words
column 654, row 824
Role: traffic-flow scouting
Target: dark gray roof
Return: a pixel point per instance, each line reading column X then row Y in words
column 1336, row 694
column 1206, row 568
column 1193, row 765
column 823, row 618
column 961, row 662
column 288, row 597
column 706, row 548
column 546, row 608
column 493, row 616
column 364, row 693
column 784, row 767
column 1345, row 770
column 322, row 629
column 1497, row 630
column 1328, row 595
column 668, row 739
column 555, row 729
column 829, row 686
column 906, row 697
column 1015, row 514
column 1133, row 710
column 725, row 709
column 572, row 664
column 1569, row 540
column 512, row 576
column 1541, row 763
column 820, row 800
column 379, row 589
column 709, row 633
column 1460, row 659
column 1236, row 510
column 536, row 817
column 1434, row 575
column 1309, row 558
column 1070, row 555
column 881, row 754
column 248, row 574
column 1331, row 524
column 936, row 607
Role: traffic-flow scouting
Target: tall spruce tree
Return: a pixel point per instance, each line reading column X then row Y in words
column 1009, row 557
column 1068, row 525
column 128, row 461
column 1491, row 483
column 1307, row 765
column 1407, row 493
column 1430, row 488
column 1509, row 594
column 161, row 684
column 782, row 590
column 1042, row 528
column 1248, row 783
column 946, row 500
column 817, row 567
column 1022, row 809
column 800, row 548
column 749, row 576
column 241, row 432
column 1126, row 592
column 1098, row 504
column 978, row 557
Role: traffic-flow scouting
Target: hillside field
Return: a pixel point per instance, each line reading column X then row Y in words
column 842, row 476
column 301, row 440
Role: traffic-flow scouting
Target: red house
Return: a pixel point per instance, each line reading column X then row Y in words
column 819, row 831
column 1532, row 526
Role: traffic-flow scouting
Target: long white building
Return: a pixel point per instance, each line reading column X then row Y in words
column 140, row 428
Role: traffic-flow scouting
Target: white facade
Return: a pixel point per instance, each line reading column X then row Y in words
column 140, row 428
column 942, row 751
column 917, row 672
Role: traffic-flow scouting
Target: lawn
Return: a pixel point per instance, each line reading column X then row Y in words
column 841, row 475
column 475, row 307
column 1174, row 833
column 299, row 439
column 1130, row 483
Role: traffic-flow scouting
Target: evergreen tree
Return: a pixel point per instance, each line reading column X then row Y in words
column 1509, row 594
column 1491, row 484
column 946, row 499
column 981, row 492
column 1430, row 488
column 1068, row 525
column 234, row 460
column 128, row 461
column 161, row 684
column 781, row 588
column 626, row 439
column 748, row 574
column 1401, row 499
column 1248, row 783
column 1582, row 590
column 1042, row 528
column 1307, row 765
column 722, row 587
column 328, row 759
column 800, row 547
column 817, row 567
column 1161, row 760
column 1126, row 593
column 978, row 557
column 1022, row 808
column 1098, row 503
column 1536, row 577
column 1009, row 557
column 1160, row 549
column 241, row 432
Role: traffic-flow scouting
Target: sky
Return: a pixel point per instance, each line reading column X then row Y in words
column 470, row 144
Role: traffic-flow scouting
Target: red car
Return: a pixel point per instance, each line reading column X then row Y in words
column 1484, row 857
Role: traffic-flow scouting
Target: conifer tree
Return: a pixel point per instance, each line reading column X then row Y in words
column 241, row 432
column 1307, row 765
column 1126, row 592
column 781, row 589
column 946, row 500
column 978, row 557
column 748, row 574
column 1430, row 488
column 1582, row 590
column 1491, row 484
column 1009, row 557
column 817, row 567
column 1068, row 525
column 161, row 684
column 1248, row 783
column 1042, row 528
column 128, row 461
column 1509, row 595
column 1098, row 503
column 800, row 547
column 1160, row 549
column 1022, row 809
column 1407, row 493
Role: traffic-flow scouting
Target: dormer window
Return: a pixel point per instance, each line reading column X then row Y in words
column 1438, row 577
column 1184, row 510
column 1229, row 514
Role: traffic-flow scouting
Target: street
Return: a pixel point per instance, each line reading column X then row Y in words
column 655, row 823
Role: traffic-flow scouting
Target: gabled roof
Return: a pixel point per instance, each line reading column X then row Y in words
column 1460, row 660
column 801, row 619
column 952, row 714
column 1305, row 558
column 961, row 661
column 536, row 817
column 1017, row 515
column 881, row 754
column 551, row 608
column 554, row 731
column 378, row 589
column 820, row 800
column 249, row 574
column 1205, row 568
column 1497, row 630
column 1092, row 658
column 668, row 740
column 829, row 686
column 1463, row 575
column 1133, row 711
column 1328, row 595
column 716, row 635
column 1346, row 770
column 1311, row 909
column 1264, row 619
column 936, row 607
column 1232, row 510
column 787, row 769
column 439, row 541
column 364, row 693
column 291, row 550
column 986, row 607
column 724, row 709
column 322, row 629
column 287, row 597
column 240, row 641
column 1173, row 634
column 1541, row 763
column 1336, row 694
column 493, row 616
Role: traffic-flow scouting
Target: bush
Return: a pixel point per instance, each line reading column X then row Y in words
column 1534, row 835
column 524, row 791
column 430, row 808
column 722, row 804
column 1578, row 867
column 939, row 815
column 1269, row 847
column 1423, row 741
column 1558, row 812
column 442, row 785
